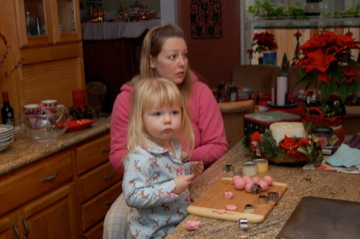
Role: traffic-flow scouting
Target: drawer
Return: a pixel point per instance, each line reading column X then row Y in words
column 25, row 184
column 96, row 181
column 94, row 211
column 92, row 154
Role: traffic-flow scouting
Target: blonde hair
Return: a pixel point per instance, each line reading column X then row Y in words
column 156, row 92
column 152, row 46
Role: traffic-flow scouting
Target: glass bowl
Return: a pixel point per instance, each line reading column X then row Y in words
column 47, row 125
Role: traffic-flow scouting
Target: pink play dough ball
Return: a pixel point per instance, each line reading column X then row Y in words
column 239, row 183
column 236, row 177
column 248, row 187
column 249, row 181
column 268, row 179
column 264, row 185
column 246, row 177
column 256, row 179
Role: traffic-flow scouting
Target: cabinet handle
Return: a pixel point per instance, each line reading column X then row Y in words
column 16, row 230
column 105, row 150
column 50, row 177
column 110, row 202
column 27, row 229
column 109, row 176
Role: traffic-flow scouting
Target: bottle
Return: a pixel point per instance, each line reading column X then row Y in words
column 7, row 112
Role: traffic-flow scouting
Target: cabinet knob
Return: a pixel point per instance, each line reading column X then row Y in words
column 105, row 150
column 109, row 176
column 50, row 177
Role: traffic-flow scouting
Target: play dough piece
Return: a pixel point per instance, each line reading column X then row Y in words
column 229, row 195
column 264, row 185
column 256, row 179
column 231, row 207
column 192, row 225
column 290, row 129
column 268, row 179
column 222, row 211
column 239, row 183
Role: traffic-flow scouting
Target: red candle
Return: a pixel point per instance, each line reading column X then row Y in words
column 79, row 98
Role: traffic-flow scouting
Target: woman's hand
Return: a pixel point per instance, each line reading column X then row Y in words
column 199, row 169
column 182, row 183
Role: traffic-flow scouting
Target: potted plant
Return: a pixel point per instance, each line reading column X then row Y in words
column 265, row 45
column 327, row 64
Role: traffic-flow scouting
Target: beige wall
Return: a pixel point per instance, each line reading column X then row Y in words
column 212, row 60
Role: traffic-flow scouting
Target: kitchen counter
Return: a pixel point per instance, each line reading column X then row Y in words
column 300, row 183
column 24, row 150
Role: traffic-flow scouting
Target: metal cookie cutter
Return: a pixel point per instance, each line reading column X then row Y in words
column 255, row 188
column 249, row 208
column 243, row 224
column 263, row 199
column 273, row 196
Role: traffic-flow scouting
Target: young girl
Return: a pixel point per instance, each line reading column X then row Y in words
column 156, row 181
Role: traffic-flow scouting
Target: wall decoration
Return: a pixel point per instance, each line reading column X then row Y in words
column 206, row 19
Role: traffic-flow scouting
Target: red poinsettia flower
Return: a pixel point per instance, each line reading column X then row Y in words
column 255, row 136
column 327, row 59
column 303, row 142
column 264, row 41
column 289, row 144
column 297, row 34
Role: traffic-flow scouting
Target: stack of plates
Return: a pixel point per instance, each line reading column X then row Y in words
column 6, row 136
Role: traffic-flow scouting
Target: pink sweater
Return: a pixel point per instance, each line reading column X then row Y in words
column 207, row 123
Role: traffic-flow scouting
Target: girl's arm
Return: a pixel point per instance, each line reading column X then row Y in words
column 136, row 185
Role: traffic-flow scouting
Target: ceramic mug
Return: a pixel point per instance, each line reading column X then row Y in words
column 32, row 109
column 50, row 105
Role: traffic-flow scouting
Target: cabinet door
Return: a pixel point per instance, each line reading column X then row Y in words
column 9, row 228
column 33, row 21
column 52, row 216
column 66, row 21
column 47, row 22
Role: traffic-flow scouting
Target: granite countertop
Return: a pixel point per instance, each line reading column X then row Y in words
column 300, row 183
column 24, row 150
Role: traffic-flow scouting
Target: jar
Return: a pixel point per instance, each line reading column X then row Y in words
column 262, row 165
column 322, row 135
column 249, row 169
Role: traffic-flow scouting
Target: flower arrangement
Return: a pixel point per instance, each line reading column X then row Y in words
column 327, row 60
column 289, row 150
column 264, row 41
column 3, row 58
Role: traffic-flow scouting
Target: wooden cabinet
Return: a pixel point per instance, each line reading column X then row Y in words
column 39, row 200
column 47, row 35
column 47, row 22
column 98, row 185
column 65, row 195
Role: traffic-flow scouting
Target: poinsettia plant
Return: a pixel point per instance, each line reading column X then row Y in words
column 290, row 149
column 328, row 64
column 264, row 41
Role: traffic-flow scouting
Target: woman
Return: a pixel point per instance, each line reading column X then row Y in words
column 164, row 54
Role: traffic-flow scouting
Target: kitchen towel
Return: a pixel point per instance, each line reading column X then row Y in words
column 345, row 156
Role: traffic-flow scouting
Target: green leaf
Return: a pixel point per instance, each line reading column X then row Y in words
column 327, row 89
column 344, row 90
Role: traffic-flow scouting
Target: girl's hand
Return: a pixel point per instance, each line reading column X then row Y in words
column 182, row 183
column 199, row 169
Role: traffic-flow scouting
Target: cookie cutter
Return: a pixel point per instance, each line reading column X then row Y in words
column 255, row 188
column 273, row 196
column 243, row 222
column 249, row 208
column 263, row 199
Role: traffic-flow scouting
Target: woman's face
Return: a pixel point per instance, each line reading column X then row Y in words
column 172, row 61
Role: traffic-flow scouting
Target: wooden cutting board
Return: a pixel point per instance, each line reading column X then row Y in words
column 208, row 204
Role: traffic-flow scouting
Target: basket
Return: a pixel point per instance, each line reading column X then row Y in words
column 320, row 120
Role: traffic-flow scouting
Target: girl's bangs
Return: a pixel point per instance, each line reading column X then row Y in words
column 163, row 98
